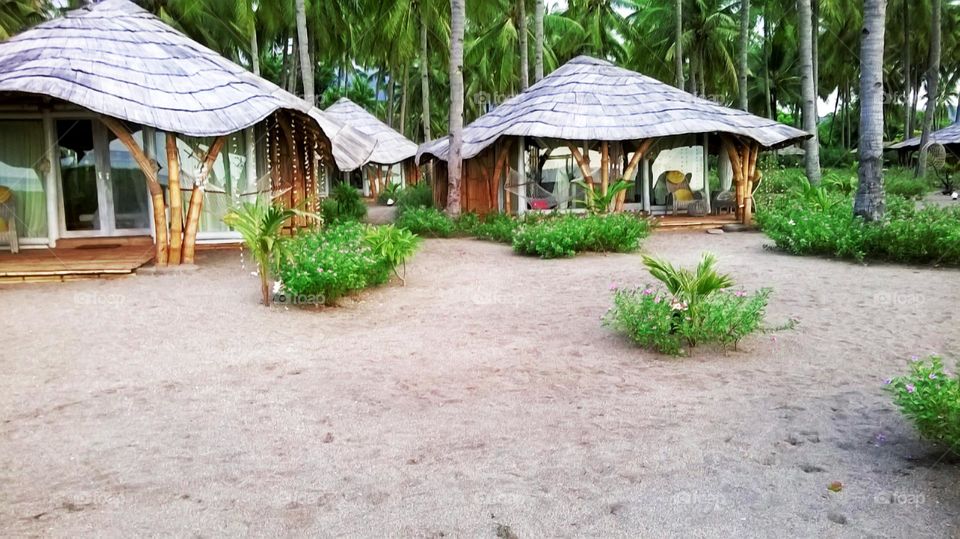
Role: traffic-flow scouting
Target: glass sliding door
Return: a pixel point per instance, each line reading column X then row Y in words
column 79, row 184
column 103, row 189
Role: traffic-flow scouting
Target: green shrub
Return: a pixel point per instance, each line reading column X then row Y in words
column 928, row 235
column 901, row 182
column 323, row 266
column 696, row 308
column 344, row 204
column 497, row 227
column 426, row 222
column 414, row 196
column 390, row 192
column 931, row 399
column 565, row 235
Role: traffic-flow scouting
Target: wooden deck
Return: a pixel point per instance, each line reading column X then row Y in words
column 71, row 263
column 686, row 222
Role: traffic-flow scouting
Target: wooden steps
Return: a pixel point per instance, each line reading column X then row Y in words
column 102, row 261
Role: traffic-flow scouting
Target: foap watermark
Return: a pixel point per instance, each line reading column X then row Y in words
column 702, row 501
column 285, row 298
column 98, row 299
column 896, row 299
column 900, row 498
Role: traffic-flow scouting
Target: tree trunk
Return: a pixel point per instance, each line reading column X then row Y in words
column 744, row 45
column 254, row 49
column 454, row 161
column 303, row 42
column 693, row 74
column 390, row 98
column 538, row 37
column 869, row 201
column 907, row 73
column 524, row 48
column 815, row 53
column 812, row 145
column 766, row 62
column 678, row 45
column 403, row 99
column 933, row 86
column 424, row 74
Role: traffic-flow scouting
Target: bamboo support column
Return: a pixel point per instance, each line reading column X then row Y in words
column 631, row 169
column 604, row 167
column 150, row 170
column 196, row 202
column 583, row 163
column 176, row 199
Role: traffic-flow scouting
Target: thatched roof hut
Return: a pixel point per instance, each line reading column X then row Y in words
column 948, row 136
column 115, row 58
column 113, row 63
column 592, row 104
column 391, row 147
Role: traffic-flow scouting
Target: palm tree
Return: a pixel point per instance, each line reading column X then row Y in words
column 869, row 201
column 538, row 41
column 303, row 46
column 678, row 44
column 933, row 83
column 744, row 46
column 454, row 161
column 812, row 145
column 16, row 15
column 524, row 49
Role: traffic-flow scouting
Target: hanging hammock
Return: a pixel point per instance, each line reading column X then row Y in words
column 536, row 196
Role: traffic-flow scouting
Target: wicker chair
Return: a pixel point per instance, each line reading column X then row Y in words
column 678, row 185
column 8, row 220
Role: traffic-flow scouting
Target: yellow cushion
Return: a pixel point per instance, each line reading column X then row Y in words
column 5, row 193
column 3, row 225
column 675, row 176
column 683, row 195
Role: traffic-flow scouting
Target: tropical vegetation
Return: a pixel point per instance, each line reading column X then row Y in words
column 930, row 397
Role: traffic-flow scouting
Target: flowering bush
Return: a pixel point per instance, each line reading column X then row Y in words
column 568, row 234
column 696, row 307
column 328, row 264
column 802, row 226
column 930, row 397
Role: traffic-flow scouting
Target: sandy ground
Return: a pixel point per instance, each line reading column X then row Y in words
column 482, row 398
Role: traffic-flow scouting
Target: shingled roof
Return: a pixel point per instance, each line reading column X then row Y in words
column 947, row 135
column 391, row 146
column 115, row 58
column 591, row 99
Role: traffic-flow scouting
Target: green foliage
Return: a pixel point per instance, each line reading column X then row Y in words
column 344, row 204
column 661, row 321
column 840, row 182
column 902, row 182
column 690, row 287
column 394, row 246
column 260, row 225
column 426, row 221
column 568, row 234
column 390, row 192
column 930, row 397
column 414, row 196
column 493, row 226
column 927, row 235
column 328, row 264
column 597, row 202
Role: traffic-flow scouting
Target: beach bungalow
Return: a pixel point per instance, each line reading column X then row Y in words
column 686, row 157
column 122, row 141
column 392, row 159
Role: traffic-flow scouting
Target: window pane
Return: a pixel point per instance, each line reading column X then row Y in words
column 128, row 185
column 23, row 165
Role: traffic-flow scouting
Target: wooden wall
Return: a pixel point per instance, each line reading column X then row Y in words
column 297, row 153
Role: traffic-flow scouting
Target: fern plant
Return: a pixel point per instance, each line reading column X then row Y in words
column 690, row 287
column 261, row 226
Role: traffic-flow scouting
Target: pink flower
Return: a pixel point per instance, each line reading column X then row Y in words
column 932, row 376
column 740, row 293
column 648, row 291
column 613, row 286
column 911, row 388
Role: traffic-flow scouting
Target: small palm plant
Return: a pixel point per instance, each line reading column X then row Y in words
column 261, row 226
column 597, row 202
column 393, row 245
column 689, row 287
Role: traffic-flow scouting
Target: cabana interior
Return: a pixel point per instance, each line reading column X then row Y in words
column 699, row 180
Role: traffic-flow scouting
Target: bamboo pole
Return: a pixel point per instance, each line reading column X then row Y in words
column 631, row 168
column 196, row 202
column 584, row 165
column 604, row 167
column 150, row 169
column 176, row 199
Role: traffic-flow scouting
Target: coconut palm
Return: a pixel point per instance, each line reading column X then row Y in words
column 933, row 83
column 455, row 163
column 811, row 158
column 869, row 200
